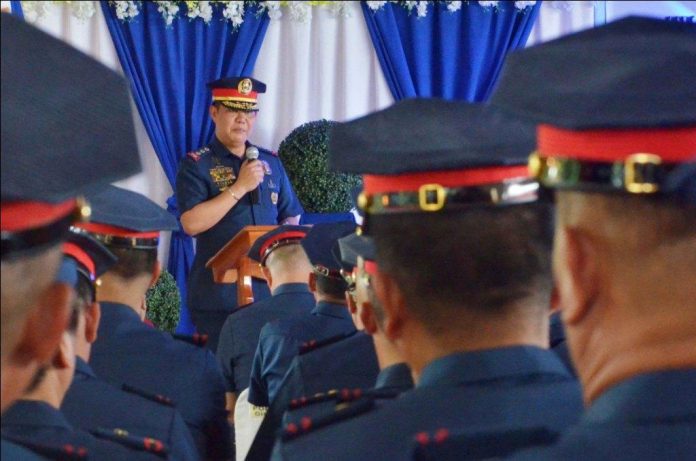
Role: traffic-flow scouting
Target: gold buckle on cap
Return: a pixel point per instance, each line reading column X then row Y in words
column 424, row 192
column 634, row 182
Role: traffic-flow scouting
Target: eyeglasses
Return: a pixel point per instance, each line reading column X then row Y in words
column 249, row 115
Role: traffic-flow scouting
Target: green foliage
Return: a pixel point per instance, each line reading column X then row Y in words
column 164, row 303
column 304, row 156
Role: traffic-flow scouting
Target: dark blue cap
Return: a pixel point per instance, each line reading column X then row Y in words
column 634, row 72
column 354, row 245
column 66, row 119
column 419, row 135
column 127, row 219
column 93, row 259
column 237, row 93
column 67, row 272
column 280, row 236
column 681, row 183
column 319, row 242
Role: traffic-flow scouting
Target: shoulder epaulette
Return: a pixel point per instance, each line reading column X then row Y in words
column 195, row 339
column 161, row 399
column 122, row 437
column 343, row 396
column 65, row 452
column 196, row 154
column 342, row 412
column 313, row 344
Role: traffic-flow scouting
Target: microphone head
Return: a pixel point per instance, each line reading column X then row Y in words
column 251, row 153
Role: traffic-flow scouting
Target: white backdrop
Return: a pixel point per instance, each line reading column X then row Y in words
column 324, row 68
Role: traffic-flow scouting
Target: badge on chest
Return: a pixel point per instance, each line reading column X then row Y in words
column 222, row 176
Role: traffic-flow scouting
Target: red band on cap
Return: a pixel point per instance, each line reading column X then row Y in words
column 81, row 256
column 671, row 144
column 370, row 267
column 282, row 236
column 411, row 182
column 117, row 231
column 233, row 93
column 21, row 216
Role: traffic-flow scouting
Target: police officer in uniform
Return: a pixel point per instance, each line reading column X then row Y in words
column 129, row 351
column 617, row 141
column 463, row 280
column 50, row 118
column 91, row 403
column 219, row 191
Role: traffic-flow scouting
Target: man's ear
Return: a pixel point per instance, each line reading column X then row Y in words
column 156, row 271
column 312, row 282
column 367, row 318
column 65, row 353
column 92, row 318
column 213, row 112
column 44, row 326
column 393, row 302
column 576, row 273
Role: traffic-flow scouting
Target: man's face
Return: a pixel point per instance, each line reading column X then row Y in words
column 232, row 127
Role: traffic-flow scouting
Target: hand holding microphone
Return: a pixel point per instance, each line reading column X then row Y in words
column 251, row 174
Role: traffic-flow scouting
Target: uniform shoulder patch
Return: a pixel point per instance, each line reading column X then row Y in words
column 312, row 345
column 195, row 339
column 343, row 412
column 161, row 399
column 65, row 452
column 135, row 442
column 196, row 155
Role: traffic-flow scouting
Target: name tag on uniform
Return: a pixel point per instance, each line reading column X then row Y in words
column 257, row 412
column 222, row 176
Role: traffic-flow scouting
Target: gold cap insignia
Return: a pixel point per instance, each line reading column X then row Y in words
column 245, row 86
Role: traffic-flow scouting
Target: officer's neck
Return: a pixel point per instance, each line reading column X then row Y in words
column 52, row 388
column 131, row 292
column 237, row 149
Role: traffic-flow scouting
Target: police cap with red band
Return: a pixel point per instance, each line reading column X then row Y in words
column 319, row 242
column 616, row 105
column 423, row 155
column 237, row 93
column 126, row 219
column 93, row 259
column 354, row 245
column 58, row 139
column 280, row 236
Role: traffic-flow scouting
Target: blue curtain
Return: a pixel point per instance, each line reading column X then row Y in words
column 168, row 68
column 16, row 9
column 451, row 55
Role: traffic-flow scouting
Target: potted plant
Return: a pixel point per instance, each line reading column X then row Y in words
column 163, row 303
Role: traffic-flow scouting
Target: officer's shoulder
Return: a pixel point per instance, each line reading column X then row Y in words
column 343, row 396
column 133, row 441
column 313, row 345
column 264, row 151
column 20, row 448
column 196, row 155
column 200, row 340
column 341, row 413
column 157, row 398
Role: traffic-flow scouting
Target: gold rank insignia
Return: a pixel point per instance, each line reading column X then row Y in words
column 245, row 86
column 223, row 176
column 274, row 198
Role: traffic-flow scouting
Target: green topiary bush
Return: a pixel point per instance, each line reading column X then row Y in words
column 304, row 155
column 164, row 303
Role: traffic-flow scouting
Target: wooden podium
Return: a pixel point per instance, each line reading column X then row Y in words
column 231, row 264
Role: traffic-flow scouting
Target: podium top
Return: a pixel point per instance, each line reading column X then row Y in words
column 233, row 253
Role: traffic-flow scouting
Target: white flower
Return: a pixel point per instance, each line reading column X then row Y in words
column 234, row 12
column 82, row 10
column 273, row 8
column 338, row 9
column 522, row 5
column 409, row 5
column 454, row 6
column 374, row 6
column 33, row 11
column 486, row 4
column 300, row 11
column 422, row 9
column 201, row 10
column 169, row 10
column 126, row 11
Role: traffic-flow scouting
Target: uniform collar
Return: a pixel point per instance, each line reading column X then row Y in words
column 491, row 364
column 220, row 149
column 647, row 397
column 331, row 310
column 397, row 376
column 34, row 413
column 116, row 311
column 83, row 367
column 287, row 288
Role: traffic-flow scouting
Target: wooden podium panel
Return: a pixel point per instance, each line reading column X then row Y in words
column 231, row 264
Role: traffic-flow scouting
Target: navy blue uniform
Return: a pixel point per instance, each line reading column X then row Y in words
column 11, row 450
column 40, row 422
column 240, row 333
column 280, row 342
column 203, row 175
column 129, row 351
column 647, row 417
column 491, row 391
column 558, row 343
column 91, row 403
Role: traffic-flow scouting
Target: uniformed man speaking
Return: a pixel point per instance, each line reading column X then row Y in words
column 220, row 190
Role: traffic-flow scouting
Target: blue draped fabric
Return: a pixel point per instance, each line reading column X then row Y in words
column 16, row 9
column 168, row 67
column 451, row 55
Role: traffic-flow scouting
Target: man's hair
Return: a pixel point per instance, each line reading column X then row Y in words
column 331, row 286
column 133, row 262
column 84, row 296
column 484, row 260
column 287, row 258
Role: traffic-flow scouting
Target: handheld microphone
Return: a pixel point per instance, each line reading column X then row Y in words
column 252, row 153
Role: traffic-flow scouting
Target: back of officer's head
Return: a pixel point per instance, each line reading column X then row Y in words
column 487, row 262
column 289, row 261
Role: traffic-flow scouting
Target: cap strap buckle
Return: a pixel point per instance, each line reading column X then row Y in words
column 639, row 174
column 428, row 192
